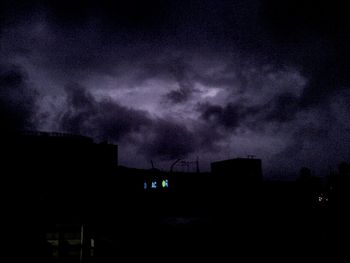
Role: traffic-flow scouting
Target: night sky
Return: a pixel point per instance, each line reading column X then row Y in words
column 180, row 79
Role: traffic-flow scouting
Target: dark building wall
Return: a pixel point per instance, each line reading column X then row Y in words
column 237, row 185
column 106, row 154
column 54, row 173
column 51, row 178
column 239, row 170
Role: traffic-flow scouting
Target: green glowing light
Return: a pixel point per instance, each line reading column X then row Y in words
column 165, row 183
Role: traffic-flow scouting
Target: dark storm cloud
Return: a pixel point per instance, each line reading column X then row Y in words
column 17, row 99
column 169, row 140
column 282, row 108
column 107, row 120
column 174, row 68
column 179, row 95
column 94, row 35
column 155, row 45
column 227, row 116
column 103, row 119
column 314, row 36
column 181, row 72
column 320, row 143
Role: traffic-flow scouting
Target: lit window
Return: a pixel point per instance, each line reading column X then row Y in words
column 165, row 183
column 154, row 184
column 145, row 185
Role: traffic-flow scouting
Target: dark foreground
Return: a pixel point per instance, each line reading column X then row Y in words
column 167, row 227
column 65, row 199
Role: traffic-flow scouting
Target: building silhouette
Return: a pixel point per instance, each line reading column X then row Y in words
column 247, row 170
column 69, row 201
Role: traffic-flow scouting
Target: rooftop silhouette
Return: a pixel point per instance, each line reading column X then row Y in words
column 72, row 202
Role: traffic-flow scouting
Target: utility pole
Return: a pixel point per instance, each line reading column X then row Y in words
column 197, row 165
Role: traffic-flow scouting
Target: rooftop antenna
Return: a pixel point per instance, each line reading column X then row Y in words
column 173, row 164
column 152, row 164
column 186, row 164
column 197, row 164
